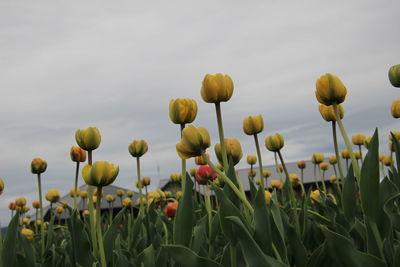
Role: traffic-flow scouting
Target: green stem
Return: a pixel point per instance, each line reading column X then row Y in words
column 91, row 212
column 76, row 183
column 99, row 232
column 277, row 169
column 221, row 136
column 41, row 217
column 183, row 163
column 233, row 253
column 259, row 160
column 378, row 239
column 338, row 157
column 323, row 181
column 276, row 253
column 361, row 157
column 347, row 142
column 315, row 175
column 208, row 208
column 140, row 186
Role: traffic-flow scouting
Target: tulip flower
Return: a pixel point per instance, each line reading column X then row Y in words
column 146, row 181
column 130, row 193
column 167, row 194
column 77, row 155
column 193, row 171
column 20, row 202
column 138, row 148
column 199, row 160
column 178, row 195
column 251, row 159
column 317, row 158
column 266, row 174
column 328, row 113
column 88, row 139
column 332, row 179
column 60, row 209
column 53, row 196
column 182, row 111
column 294, row 179
column 12, row 206
column 27, row 233
column 120, row 192
column 101, row 173
column 233, row 150
column 394, row 75
column 315, row 195
column 216, row 88
column 367, row 141
column 253, row 125
column 251, row 174
column 277, row 184
column 204, row 174
column 267, row 196
column 274, row 143
column 194, row 142
column 170, row 209
column 1, row 186
column 330, row 89
column 395, row 109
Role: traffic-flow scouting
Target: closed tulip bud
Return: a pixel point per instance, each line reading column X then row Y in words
column 194, row 142
column 328, row 113
column 199, row 160
column 167, row 194
column 394, row 75
column 60, row 209
column 83, row 194
column 381, row 157
column 233, row 150
column 28, row 233
column 387, row 161
column 258, row 182
column 53, row 195
column 36, row 204
column 280, row 169
column 26, row 209
column 253, row 125
column 38, row 166
column 345, row 154
column 139, row 184
column 85, row 213
column 357, row 154
column 332, row 160
column 182, row 110
column 358, row 139
column 317, row 158
column 20, row 202
column 25, row 221
column 193, row 171
column 266, row 174
column 301, row 164
column 315, row 195
column 1, row 186
column 73, row 192
column 251, row 159
column 277, row 184
column 218, row 182
column 130, row 194
column 146, row 181
column 274, row 143
column 110, row 198
column 267, row 196
column 396, row 135
column 12, row 206
column 138, row 148
column 141, row 200
column 78, row 154
column 395, row 109
column 251, row 173
column 170, row 209
column 216, row 88
column 120, row 192
column 294, row 179
column 178, row 195
column 101, row 173
column 367, row 141
column 324, row 166
column 153, row 196
column 204, row 174
column 94, row 199
column 88, row 139
column 220, row 167
column 332, row 179
column 330, row 89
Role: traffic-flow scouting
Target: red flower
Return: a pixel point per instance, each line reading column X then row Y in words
column 170, row 209
column 205, row 173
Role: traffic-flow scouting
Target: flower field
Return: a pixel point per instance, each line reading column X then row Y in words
column 351, row 219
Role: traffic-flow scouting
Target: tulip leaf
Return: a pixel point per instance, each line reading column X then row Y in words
column 295, row 246
column 10, row 241
column 262, row 224
column 110, row 236
column 50, row 235
column 199, row 234
column 183, row 223
column 29, row 254
column 184, row 256
column 349, row 196
column 148, row 257
column 227, row 190
column 253, row 190
column 397, row 152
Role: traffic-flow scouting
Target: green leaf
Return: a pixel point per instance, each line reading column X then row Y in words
column 227, row 190
column 148, row 257
column 349, row 196
column 262, row 224
column 9, row 252
column 199, row 234
column 110, row 236
column 183, row 223
column 253, row 189
column 184, row 256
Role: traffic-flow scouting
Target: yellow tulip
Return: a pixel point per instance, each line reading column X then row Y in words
column 77, row 154
column 274, row 143
column 387, row 161
column 328, row 113
column 83, row 194
column 358, row 139
column 395, row 109
column 253, row 125
column 25, row 221
column 194, row 142
column 38, row 166
column 332, row 179
column 233, row 150
column 367, row 141
column 120, row 192
column 216, row 88
column 345, row 154
column 101, row 173
column 182, row 110
column 277, row 184
column 251, row 159
column 200, row 161
column 110, row 198
column 294, row 179
column 251, row 173
column 193, row 171
column 315, row 195
column 268, row 197
column 178, row 195
column 88, row 139
column 324, row 166
column 28, row 233
column 146, row 181
column 330, row 89
column 130, row 194
column 60, row 209
column 1, row 186
column 394, row 75
column 317, row 158
column 332, row 160
column 73, row 193
column 20, row 202
column 266, row 174
column 138, row 148
column 53, row 195
column 85, row 213
column 357, row 154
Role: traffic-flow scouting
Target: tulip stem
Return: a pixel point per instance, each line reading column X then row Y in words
column 338, row 157
column 259, row 160
column 91, row 212
column 183, row 166
column 221, row 136
column 361, row 157
column 229, row 183
column 208, row 207
column 347, row 142
column 98, row 224
column 41, row 216
column 139, row 185
column 323, row 181
column 76, row 183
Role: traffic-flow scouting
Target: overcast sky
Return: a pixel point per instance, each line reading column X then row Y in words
column 116, row 64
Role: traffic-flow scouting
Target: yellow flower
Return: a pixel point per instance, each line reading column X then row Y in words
column 216, row 88
column 252, row 173
column 367, row 141
column 60, row 209
column 182, row 110
column 120, row 192
column 266, row 174
column 88, row 139
column 387, row 161
column 324, row 166
column 315, row 195
column 20, row 202
column 395, row 109
column 53, row 195
column 194, row 142
column 251, row 159
column 268, row 197
column 394, row 75
column 83, row 194
column 332, row 179
column 301, row 164
column 200, row 161
column 130, row 194
column 193, row 171
column 277, row 184
column 345, row 154
column 330, row 89
column 77, row 154
column 138, row 148
column 141, row 201
column 85, row 213
column 381, row 157
column 358, row 139
column 1, row 186
column 178, row 195
column 328, row 113
column 274, row 143
column 101, row 173
column 317, row 158
column 28, row 233
column 175, row 177
column 73, row 193
column 294, row 179
column 167, row 194
column 126, row 202
column 139, row 184
column 233, row 149
column 146, row 181
column 332, row 160
column 357, row 154
column 38, row 165
column 110, row 198
column 220, row 167
column 258, row 181
column 25, row 221
column 253, row 125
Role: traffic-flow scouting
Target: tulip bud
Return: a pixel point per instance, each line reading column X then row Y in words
column 324, row 166
column 294, row 179
column 38, row 166
column 170, row 209
column 83, row 194
column 258, row 181
column 345, row 154
column 12, row 206
column 233, row 150
column 53, row 195
column 315, row 195
column 146, row 181
column 280, row 169
column 88, row 139
column 216, row 88
column 120, row 192
column 60, row 209
column 381, row 157
column 194, row 142
column 26, row 209
column 20, row 202
column 328, row 113
column 332, row 160
column 220, row 167
column 253, row 125
column 387, row 161
column 277, row 184
column 251, row 159
column 36, row 204
column 178, row 195
column 395, row 109
column 138, row 148
column 317, row 158
column 1, row 186
column 167, row 194
column 85, row 213
column 301, row 164
column 110, row 198
column 266, row 174
column 274, row 143
column 357, row 154
column 200, row 161
column 140, row 201
column 25, row 221
column 332, row 179
column 394, row 75
column 101, row 173
column 193, row 171
column 367, row 141
column 182, row 110
column 126, row 202
column 139, row 184
column 358, row 139
column 204, row 174
column 77, row 154
column 73, row 193
column 130, row 194
column 330, row 89
column 251, row 173
column 268, row 197
column 28, row 233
